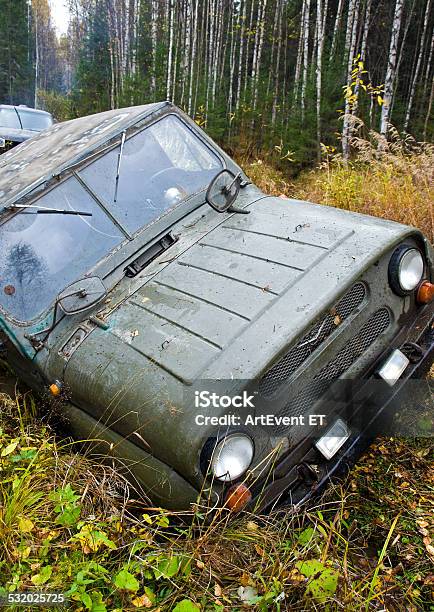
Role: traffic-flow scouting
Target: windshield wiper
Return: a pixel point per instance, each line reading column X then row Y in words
column 118, row 171
column 43, row 210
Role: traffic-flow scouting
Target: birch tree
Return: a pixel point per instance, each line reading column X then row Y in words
column 418, row 65
column 171, row 9
column 300, row 53
column 367, row 23
column 336, row 28
column 306, row 27
column 320, row 26
column 391, row 67
column 154, row 22
column 242, row 29
column 260, row 43
column 229, row 62
column 353, row 17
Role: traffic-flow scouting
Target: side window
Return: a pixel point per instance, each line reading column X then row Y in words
column 181, row 146
column 35, row 122
column 9, row 118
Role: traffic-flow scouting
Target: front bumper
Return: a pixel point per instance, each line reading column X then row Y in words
column 304, row 470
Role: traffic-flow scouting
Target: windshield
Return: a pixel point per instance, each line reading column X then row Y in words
column 159, row 167
column 9, row 118
column 42, row 254
column 35, row 122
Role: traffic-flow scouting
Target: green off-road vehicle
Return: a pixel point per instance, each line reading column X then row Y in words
column 228, row 346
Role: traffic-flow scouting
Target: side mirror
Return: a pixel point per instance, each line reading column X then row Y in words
column 223, row 190
column 82, row 295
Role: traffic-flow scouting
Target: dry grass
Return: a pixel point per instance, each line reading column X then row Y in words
column 393, row 180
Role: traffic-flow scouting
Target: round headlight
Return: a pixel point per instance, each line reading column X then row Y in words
column 406, row 270
column 231, row 457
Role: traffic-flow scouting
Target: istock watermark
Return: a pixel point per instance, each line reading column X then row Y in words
column 263, row 420
column 205, row 399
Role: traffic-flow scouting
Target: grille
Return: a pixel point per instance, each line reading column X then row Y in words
column 306, row 395
column 355, row 348
column 295, row 357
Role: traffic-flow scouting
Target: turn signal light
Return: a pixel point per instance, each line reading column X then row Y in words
column 56, row 389
column 425, row 294
column 237, row 497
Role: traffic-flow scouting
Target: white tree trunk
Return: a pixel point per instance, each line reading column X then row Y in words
column 351, row 55
column 350, row 20
column 36, row 17
column 306, row 28
column 418, row 65
column 299, row 54
column 246, row 74
column 154, row 18
column 170, row 51
column 261, row 27
column 243, row 18
column 321, row 17
column 231, row 62
column 277, row 67
column 193, row 56
column 336, row 28
column 391, row 67
column 273, row 45
column 362, row 52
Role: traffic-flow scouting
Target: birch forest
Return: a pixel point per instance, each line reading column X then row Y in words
column 288, row 77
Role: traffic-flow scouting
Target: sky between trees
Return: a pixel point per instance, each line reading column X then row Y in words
column 60, row 16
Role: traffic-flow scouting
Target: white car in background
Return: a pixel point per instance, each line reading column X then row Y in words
column 20, row 123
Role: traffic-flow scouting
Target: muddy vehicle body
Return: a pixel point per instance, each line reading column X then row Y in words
column 188, row 321
column 20, row 123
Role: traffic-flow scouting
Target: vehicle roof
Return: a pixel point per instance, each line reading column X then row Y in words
column 22, row 107
column 32, row 164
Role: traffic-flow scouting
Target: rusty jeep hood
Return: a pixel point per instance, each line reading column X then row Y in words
column 208, row 302
column 223, row 308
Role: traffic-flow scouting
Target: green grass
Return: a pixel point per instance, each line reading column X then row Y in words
column 71, row 524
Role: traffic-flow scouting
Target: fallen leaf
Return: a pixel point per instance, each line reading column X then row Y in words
column 142, row 602
column 245, row 579
column 9, row 449
column 25, row 525
column 259, row 550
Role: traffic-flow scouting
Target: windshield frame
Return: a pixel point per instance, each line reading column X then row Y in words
column 111, row 267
